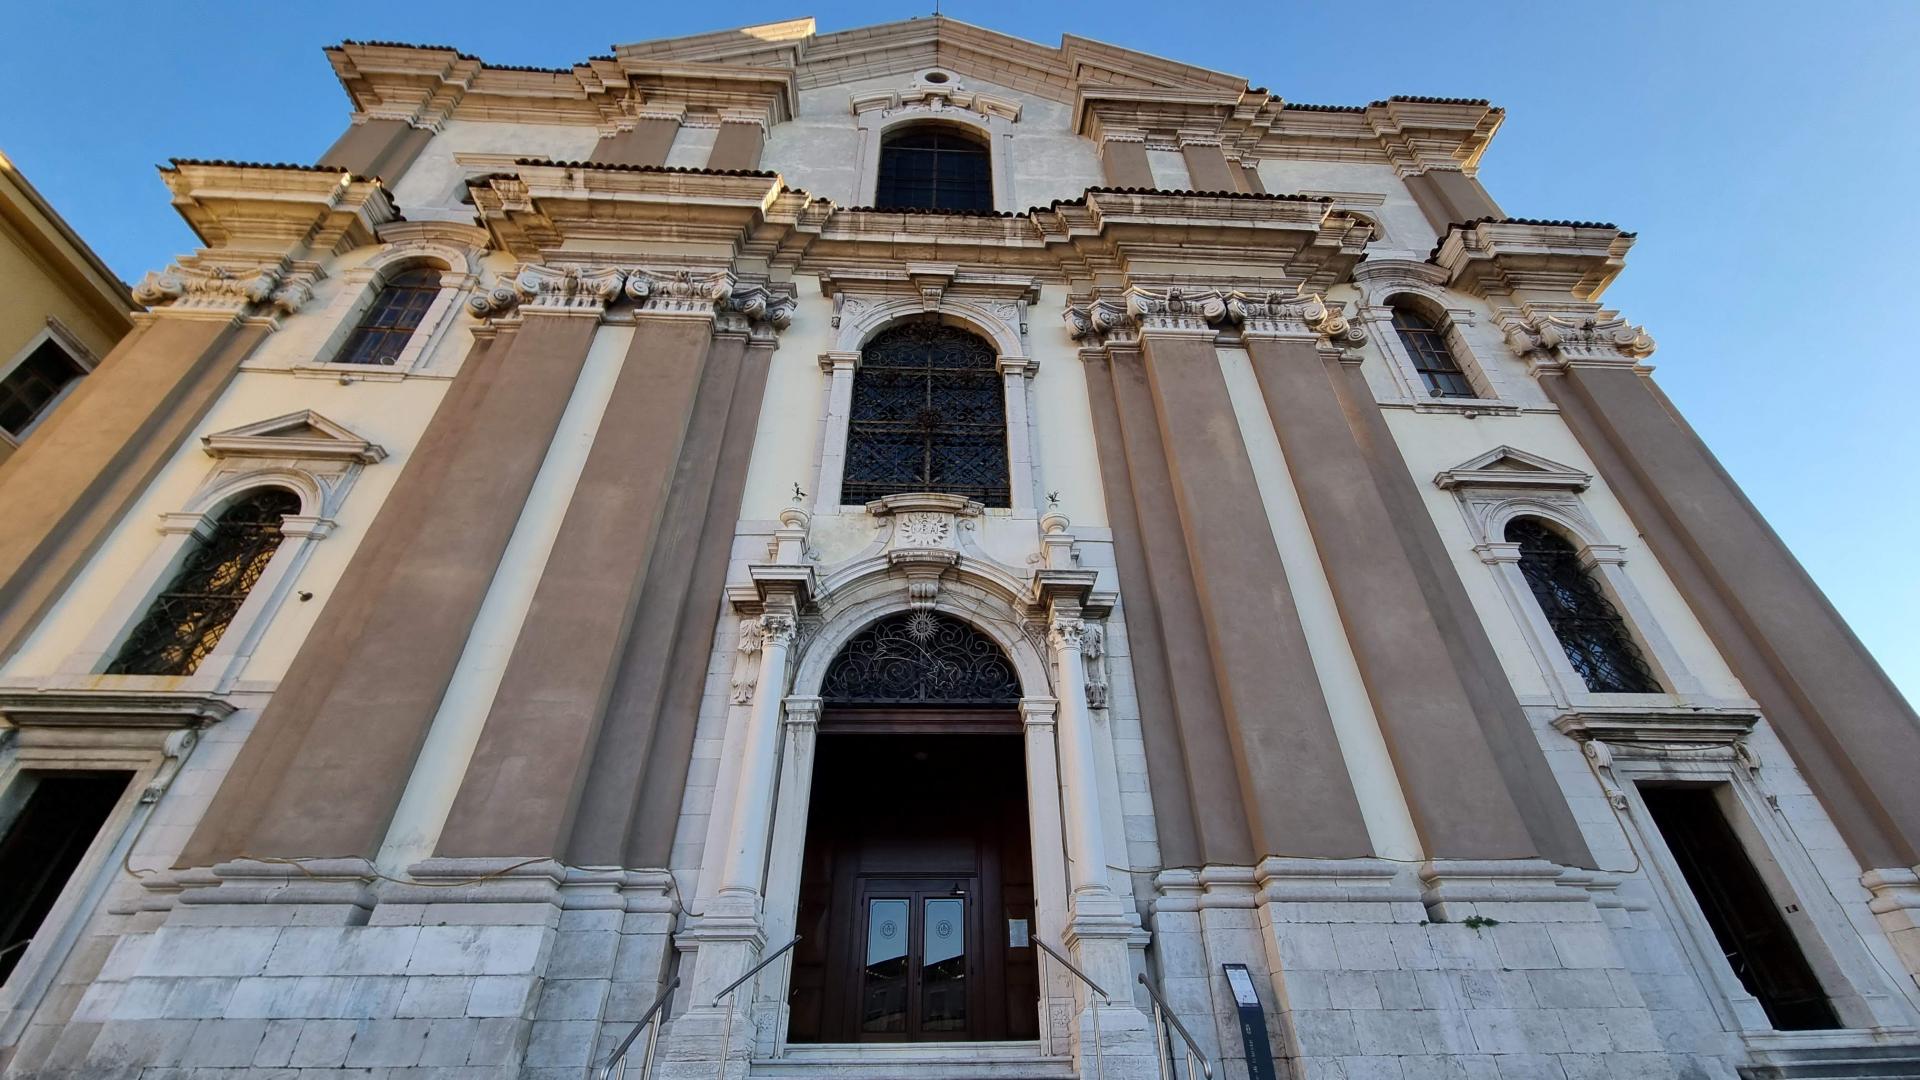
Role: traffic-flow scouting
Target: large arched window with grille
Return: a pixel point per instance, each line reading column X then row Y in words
column 1432, row 357
column 383, row 332
column 188, row 618
column 934, row 168
column 1589, row 627
column 928, row 414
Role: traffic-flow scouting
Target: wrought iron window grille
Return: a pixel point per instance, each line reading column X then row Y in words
column 186, row 621
column 1432, row 356
column 929, row 413
column 1589, row 627
column 934, row 169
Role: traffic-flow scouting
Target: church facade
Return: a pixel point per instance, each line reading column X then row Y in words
column 911, row 552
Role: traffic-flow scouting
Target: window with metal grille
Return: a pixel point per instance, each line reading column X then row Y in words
column 189, row 616
column 933, row 168
column 396, row 312
column 1432, row 357
column 33, row 385
column 928, row 414
column 1589, row 627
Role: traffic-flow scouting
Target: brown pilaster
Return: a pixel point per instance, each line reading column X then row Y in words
column 1124, row 161
column 522, row 786
column 1250, row 179
column 1175, row 808
column 647, row 142
column 1299, row 799
column 1509, row 737
column 66, row 488
column 1454, row 788
column 1207, row 168
column 339, row 791
column 656, row 810
column 1849, row 729
column 738, row 144
column 382, row 148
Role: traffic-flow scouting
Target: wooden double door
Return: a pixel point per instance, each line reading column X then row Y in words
column 916, row 904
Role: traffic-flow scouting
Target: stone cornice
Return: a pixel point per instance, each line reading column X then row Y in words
column 1532, row 260
column 762, row 69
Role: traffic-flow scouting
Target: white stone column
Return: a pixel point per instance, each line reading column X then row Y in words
column 746, row 852
column 833, row 441
column 1014, row 373
column 787, row 860
column 1048, row 842
column 1086, row 845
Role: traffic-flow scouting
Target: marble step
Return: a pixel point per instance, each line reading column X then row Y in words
column 1864, row 1061
column 920, row 1061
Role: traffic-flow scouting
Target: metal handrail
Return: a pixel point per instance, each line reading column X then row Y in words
column 1099, row 1055
column 726, row 1037
column 652, row 1016
column 1161, row 1010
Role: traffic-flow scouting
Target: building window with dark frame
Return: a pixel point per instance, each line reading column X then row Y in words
column 35, row 384
column 383, row 332
column 1587, row 624
column 1432, row 357
column 934, row 168
column 186, row 621
column 929, row 414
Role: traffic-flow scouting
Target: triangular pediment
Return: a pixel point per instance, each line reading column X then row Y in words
column 303, row 434
column 1504, row 466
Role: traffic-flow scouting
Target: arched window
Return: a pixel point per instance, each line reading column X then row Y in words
column 186, row 620
column 1590, row 629
column 1432, row 357
column 934, row 168
column 921, row 658
column 928, row 414
column 396, row 312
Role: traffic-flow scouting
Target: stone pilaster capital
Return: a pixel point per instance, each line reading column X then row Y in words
column 552, row 290
column 1302, row 315
column 1066, row 632
column 1143, row 310
column 678, row 292
column 776, row 629
column 1038, row 711
column 205, row 286
column 1578, row 334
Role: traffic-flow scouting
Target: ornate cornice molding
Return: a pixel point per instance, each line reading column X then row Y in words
column 210, row 286
column 933, row 98
column 535, row 288
column 655, row 292
column 1547, row 339
column 1177, row 310
column 1532, row 259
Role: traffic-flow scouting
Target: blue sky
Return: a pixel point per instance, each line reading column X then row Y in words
column 1765, row 152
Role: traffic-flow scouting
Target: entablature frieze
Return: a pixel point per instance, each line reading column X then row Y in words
column 734, row 302
column 1121, row 317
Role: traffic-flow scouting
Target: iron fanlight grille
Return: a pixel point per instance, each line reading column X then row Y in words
column 921, row 658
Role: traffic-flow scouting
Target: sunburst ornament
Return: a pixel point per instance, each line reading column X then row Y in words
column 921, row 626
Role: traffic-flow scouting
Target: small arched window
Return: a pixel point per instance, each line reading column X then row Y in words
column 187, row 619
column 934, row 168
column 1432, row 357
column 390, row 322
column 1589, row 627
column 929, row 414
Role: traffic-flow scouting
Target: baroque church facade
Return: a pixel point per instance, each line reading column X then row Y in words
column 907, row 552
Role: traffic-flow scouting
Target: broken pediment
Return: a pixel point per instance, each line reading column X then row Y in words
column 1506, row 467
column 303, row 434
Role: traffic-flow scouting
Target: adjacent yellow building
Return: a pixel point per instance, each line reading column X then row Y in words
column 64, row 309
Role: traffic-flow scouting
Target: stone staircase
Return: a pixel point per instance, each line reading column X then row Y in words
column 1815, row 1058
column 915, row 1061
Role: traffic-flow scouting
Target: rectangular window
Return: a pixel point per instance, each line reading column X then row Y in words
column 32, row 386
column 57, row 821
column 1745, row 918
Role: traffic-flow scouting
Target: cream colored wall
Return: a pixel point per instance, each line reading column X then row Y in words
column 1376, row 784
column 1062, row 415
column 1433, row 443
column 433, row 181
column 786, row 445
column 1408, row 235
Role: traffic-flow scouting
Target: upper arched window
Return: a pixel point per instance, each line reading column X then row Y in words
column 1590, row 629
column 391, row 320
column 928, row 414
column 187, row 619
column 1432, row 357
column 934, row 168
